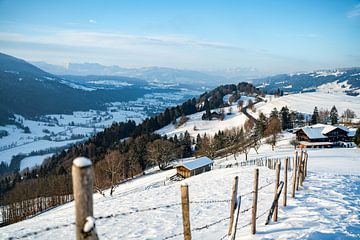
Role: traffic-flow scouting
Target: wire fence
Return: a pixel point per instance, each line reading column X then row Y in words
column 172, row 205
column 166, row 206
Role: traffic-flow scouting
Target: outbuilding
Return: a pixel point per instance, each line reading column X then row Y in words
column 194, row 167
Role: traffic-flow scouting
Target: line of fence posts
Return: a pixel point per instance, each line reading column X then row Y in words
column 82, row 174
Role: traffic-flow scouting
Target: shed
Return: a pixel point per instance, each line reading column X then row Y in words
column 194, row 167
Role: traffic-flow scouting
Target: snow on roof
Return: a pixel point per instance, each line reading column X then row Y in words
column 196, row 163
column 352, row 132
column 329, row 128
column 314, row 132
column 318, row 130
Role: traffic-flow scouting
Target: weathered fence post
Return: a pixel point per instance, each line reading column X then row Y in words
column 82, row 176
column 299, row 170
column 185, row 211
column 233, row 203
column 254, row 203
column 294, row 175
column 277, row 178
column 285, row 181
column 306, row 162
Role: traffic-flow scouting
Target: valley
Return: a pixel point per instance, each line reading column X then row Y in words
column 52, row 133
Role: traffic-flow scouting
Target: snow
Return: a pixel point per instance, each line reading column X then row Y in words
column 306, row 102
column 326, row 207
column 314, row 132
column 335, row 73
column 196, row 163
column 195, row 125
column 30, row 162
column 111, row 82
column 82, row 162
column 6, row 155
column 89, row 224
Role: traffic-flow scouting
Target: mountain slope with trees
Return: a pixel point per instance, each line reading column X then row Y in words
column 29, row 91
column 347, row 78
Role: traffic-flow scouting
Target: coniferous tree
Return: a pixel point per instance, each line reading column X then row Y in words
column 274, row 113
column 260, row 125
column 315, row 117
column 357, row 137
column 334, row 115
column 207, row 108
column 285, row 118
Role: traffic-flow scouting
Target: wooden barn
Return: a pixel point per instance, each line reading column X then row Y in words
column 194, row 167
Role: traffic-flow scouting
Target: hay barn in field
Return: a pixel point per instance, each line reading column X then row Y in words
column 194, row 167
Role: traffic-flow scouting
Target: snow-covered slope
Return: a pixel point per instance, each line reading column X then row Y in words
column 311, row 81
column 195, row 125
column 325, row 208
column 325, row 98
column 305, row 102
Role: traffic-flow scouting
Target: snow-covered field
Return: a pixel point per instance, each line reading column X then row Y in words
column 327, row 207
column 305, row 102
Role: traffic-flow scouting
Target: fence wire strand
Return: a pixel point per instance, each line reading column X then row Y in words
column 198, row 228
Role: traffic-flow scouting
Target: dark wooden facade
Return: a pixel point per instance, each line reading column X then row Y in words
column 337, row 135
column 185, row 172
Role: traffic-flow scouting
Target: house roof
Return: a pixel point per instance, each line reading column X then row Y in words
column 329, row 128
column 352, row 132
column 318, row 131
column 196, row 163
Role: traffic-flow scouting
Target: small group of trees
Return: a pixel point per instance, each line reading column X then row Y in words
column 325, row 116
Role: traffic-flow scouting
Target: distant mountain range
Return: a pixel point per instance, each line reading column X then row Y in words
column 348, row 79
column 30, row 91
column 156, row 75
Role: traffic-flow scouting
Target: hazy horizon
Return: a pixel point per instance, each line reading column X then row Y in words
column 271, row 37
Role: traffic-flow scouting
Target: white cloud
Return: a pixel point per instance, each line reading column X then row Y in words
column 112, row 40
column 92, row 21
column 355, row 12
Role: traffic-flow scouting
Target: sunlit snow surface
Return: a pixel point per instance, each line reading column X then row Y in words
column 327, row 207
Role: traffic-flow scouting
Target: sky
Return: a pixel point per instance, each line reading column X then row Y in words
column 271, row 36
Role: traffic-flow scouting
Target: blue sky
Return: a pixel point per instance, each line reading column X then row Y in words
column 272, row 36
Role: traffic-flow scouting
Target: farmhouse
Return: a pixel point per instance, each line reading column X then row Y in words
column 194, row 167
column 324, row 136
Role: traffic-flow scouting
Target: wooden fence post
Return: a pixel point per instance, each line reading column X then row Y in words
column 285, row 181
column 254, row 203
column 82, row 176
column 233, row 203
column 299, row 170
column 294, row 175
column 277, row 178
column 185, row 211
column 306, row 162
